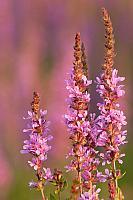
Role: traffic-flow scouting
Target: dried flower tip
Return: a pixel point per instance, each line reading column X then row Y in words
column 78, row 66
column 83, row 58
column 77, row 47
column 35, row 102
column 109, row 43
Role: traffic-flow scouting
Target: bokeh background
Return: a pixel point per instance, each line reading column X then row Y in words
column 36, row 53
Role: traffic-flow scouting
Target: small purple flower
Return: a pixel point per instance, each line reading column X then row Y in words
column 37, row 143
column 33, row 184
column 104, row 177
column 91, row 195
column 48, row 174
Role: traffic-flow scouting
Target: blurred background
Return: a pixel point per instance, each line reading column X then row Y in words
column 36, row 53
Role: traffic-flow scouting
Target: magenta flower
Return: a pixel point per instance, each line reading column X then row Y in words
column 110, row 122
column 78, row 102
column 111, row 119
column 77, row 116
column 91, row 195
column 37, row 143
column 84, row 157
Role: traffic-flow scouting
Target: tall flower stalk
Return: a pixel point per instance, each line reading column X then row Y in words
column 111, row 119
column 37, row 144
column 76, row 118
column 83, row 153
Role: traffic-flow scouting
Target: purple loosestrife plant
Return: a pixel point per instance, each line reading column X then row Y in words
column 37, row 144
column 83, row 153
column 95, row 141
column 111, row 120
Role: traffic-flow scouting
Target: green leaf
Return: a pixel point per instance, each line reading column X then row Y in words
column 65, row 185
column 54, row 183
column 123, row 174
column 52, row 197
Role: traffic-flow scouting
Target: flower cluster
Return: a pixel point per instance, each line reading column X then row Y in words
column 78, row 102
column 83, row 154
column 37, row 143
column 111, row 120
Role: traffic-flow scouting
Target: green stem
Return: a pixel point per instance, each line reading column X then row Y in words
column 59, row 196
column 114, row 167
column 115, row 178
column 59, row 191
column 43, row 197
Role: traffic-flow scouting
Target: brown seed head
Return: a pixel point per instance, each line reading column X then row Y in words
column 109, row 44
column 77, row 62
column 77, row 48
column 79, row 69
column 35, row 102
column 83, row 58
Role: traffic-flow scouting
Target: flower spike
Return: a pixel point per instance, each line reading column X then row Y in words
column 109, row 43
column 111, row 120
column 82, row 154
column 37, row 144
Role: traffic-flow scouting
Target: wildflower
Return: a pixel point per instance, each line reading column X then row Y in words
column 37, row 143
column 83, row 153
column 111, row 119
